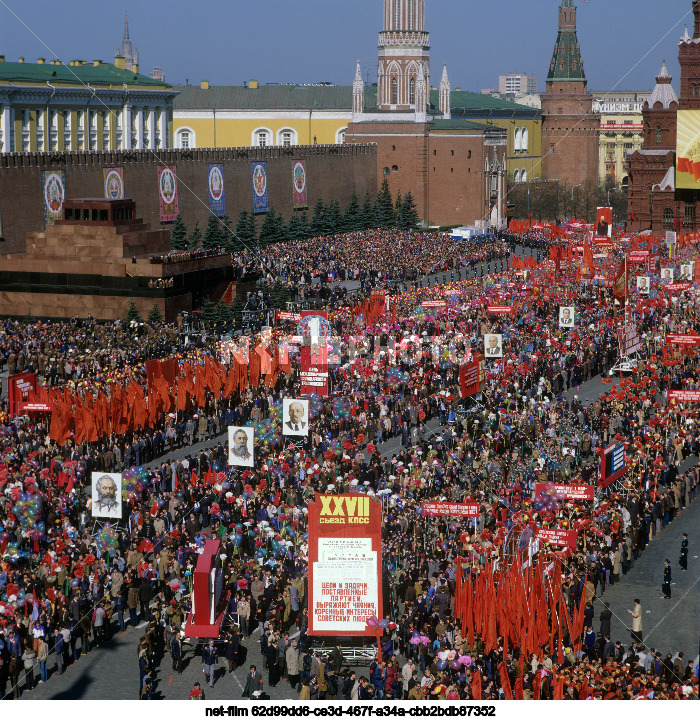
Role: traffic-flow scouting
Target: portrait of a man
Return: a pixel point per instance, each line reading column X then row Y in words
column 107, row 495
column 295, row 417
column 566, row 316
column 686, row 273
column 240, row 446
column 643, row 284
column 667, row 275
column 493, row 345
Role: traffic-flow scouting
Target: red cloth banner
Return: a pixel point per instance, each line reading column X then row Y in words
column 678, row 286
column 684, row 396
column 345, row 565
column 500, row 309
column 288, row 315
column 434, row 304
column 573, row 493
column 556, row 536
column 464, row 510
column 471, row 377
column 674, row 339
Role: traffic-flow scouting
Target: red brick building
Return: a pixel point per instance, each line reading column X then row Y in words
column 455, row 169
column 569, row 126
column 654, row 202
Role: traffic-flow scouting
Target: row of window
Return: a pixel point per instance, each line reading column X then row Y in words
column 520, row 176
column 261, row 138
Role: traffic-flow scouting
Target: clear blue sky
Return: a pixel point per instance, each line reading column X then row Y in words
column 307, row 41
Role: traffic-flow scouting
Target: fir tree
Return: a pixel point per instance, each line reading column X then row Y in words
column 304, row 230
column 294, row 229
column 366, row 213
column 332, row 221
column 154, row 315
column 133, row 313
column 397, row 206
column 317, row 219
column 270, row 228
column 195, row 239
column 280, row 295
column 243, row 228
column 384, row 207
column 178, row 234
column 222, row 313
column 351, row 217
column 212, row 233
column 408, row 215
column 236, row 311
column 208, row 312
column 226, row 233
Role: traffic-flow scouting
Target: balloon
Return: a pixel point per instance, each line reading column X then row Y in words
column 372, row 621
column 455, row 664
column 384, row 623
column 441, row 665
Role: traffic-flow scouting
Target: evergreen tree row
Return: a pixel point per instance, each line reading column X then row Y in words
column 326, row 219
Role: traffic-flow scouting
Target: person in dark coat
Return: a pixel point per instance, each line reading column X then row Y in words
column 684, row 553
column 605, row 619
column 272, row 669
column 666, row 587
column 232, row 652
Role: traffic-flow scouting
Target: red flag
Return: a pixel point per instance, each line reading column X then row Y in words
column 519, row 688
column 476, row 685
column 588, row 265
column 620, row 282
column 505, row 681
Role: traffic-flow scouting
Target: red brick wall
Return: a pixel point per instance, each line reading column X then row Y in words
column 333, row 172
column 446, row 186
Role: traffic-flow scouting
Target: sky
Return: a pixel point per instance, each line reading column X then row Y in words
column 308, row 41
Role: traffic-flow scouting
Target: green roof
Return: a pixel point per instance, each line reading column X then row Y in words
column 477, row 101
column 264, row 97
column 463, row 125
column 103, row 74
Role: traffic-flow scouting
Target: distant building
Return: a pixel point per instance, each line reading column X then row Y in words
column 621, row 131
column 47, row 107
column 517, row 84
column 157, row 73
column 127, row 51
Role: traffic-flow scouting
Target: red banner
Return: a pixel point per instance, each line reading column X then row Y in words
column 682, row 339
column 35, row 407
column 638, row 256
column 684, row 396
column 18, row 388
column 465, row 510
column 678, row 286
column 471, row 377
column 288, row 315
column 434, row 304
column 573, row 493
column 345, row 565
column 500, row 309
column 556, row 536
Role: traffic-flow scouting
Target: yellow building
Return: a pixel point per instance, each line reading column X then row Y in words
column 208, row 116
column 81, row 106
column 621, row 131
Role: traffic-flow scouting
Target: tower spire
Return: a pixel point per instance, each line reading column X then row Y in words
column 567, row 63
column 358, row 95
column 445, row 90
column 126, row 27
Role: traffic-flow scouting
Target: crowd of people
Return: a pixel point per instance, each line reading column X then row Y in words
column 66, row 586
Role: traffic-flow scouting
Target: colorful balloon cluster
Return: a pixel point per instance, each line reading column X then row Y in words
column 106, row 538
column 135, row 479
column 27, row 510
column 549, row 499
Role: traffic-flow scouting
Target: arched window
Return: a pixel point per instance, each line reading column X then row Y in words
column 412, row 92
column 397, row 14
column 185, row 138
column 411, row 14
column 287, row 137
column 394, row 168
column 516, row 176
column 340, row 136
column 658, row 135
column 394, row 91
column 262, row 137
column 524, row 139
column 523, row 176
column 386, row 171
column 516, row 140
column 668, row 219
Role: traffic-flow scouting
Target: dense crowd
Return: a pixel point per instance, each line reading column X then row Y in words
column 66, row 585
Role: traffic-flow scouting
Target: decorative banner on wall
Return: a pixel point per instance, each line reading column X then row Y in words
column 299, row 179
column 53, row 186
column 114, row 183
column 215, row 181
column 345, row 565
column 260, row 198
column 167, row 188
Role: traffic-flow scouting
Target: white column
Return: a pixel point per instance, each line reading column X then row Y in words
column 139, row 129
column 151, row 128
column 6, row 128
column 126, row 128
column 164, row 128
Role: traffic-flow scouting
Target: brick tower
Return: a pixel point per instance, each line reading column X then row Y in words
column 569, row 127
column 404, row 55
